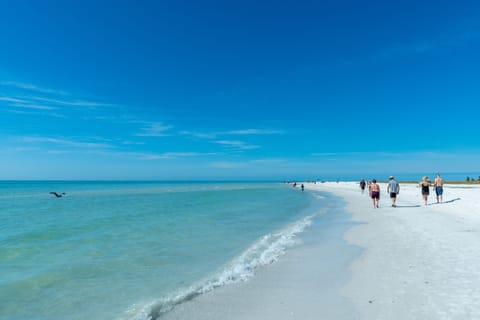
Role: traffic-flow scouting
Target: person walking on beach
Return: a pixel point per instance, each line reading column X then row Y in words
column 438, row 185
column 425, row 185
column 303, row 187
column 393, row 188
column 362, row 185
column 374, row 191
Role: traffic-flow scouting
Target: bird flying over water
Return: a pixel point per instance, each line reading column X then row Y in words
column 58, row 195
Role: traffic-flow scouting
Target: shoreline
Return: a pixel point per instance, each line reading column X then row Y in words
column 304, row 283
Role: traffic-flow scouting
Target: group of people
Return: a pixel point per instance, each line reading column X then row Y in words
column 294, row 184
column 437, row 185
column 393, row 189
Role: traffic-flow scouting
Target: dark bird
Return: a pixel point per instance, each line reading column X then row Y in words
column 58, row 195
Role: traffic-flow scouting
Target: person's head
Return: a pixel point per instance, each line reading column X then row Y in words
column 438, row 175
column 374, row 180
column 425, row 178
column 392, row 177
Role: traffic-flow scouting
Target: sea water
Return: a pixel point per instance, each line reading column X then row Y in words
column 134, row 250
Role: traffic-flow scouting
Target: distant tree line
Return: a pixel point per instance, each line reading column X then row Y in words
column 473, row 179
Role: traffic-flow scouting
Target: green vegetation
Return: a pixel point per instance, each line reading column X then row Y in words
column 472, row 180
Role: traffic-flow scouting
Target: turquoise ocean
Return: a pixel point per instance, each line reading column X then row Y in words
column 134, row 250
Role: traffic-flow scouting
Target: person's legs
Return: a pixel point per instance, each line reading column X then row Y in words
column 440, row 194
column 375, row 198
column 393, row 196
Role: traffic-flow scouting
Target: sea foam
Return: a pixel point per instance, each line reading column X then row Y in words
column 266, row 250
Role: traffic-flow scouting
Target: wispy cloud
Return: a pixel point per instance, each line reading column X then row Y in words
column 32, row 106
column 329, row 154
column 462, row 34
column 199, row 135
column 67, row 143
column 74, row 103
column 10, row 99
column 268, row 161
column 169, row 155
column 79, row 146
column 215, row 135
column 154, row 130
column 17, row 95
column 128, row 142
column 252, row 132
column 235, row 144
column 31, row 87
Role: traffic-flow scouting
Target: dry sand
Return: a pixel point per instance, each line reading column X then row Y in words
column 418, row 262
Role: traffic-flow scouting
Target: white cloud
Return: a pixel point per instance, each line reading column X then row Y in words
column 236, row 144
column 268, row 161
column 168, row 155
column 75, row 103
column 10, row 99
column 31, row 87
column 154, row 130
column 214, row 135
column 253, row 132
column 17, row 95
column 128, row 142
column 462, row 34
column 200, row 135
column 67, row 143
column 32, row 106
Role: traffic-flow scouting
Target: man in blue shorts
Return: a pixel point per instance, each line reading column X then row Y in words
column 438, row 185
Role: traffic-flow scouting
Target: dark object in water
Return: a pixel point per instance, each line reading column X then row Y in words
column 58, row 195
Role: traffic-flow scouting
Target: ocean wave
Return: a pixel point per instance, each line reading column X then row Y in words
column 266, row 250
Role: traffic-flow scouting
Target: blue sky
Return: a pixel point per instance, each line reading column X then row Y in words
column 238, row 89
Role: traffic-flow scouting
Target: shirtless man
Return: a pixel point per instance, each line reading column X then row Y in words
column 374, row 190
column 438, row 185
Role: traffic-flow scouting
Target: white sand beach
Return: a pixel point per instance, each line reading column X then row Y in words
column 408, row 262
column 418, row 262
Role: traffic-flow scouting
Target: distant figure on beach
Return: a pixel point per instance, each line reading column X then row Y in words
column 425, row 185
column 58, row 195
column 374, row 191
column 438, row 185
column 393, row 188
column 302, row 186
column 294, row 184
column 362, row 185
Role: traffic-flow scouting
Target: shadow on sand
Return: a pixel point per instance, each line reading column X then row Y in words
column 415, row 206
column 430, row 204
column 449, row 201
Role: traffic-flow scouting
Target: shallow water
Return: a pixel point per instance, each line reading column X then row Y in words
column 127, row 250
